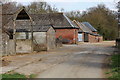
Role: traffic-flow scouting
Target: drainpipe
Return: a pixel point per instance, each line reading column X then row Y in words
column 75, row 36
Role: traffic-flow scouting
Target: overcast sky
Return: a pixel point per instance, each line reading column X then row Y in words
column 75, row 5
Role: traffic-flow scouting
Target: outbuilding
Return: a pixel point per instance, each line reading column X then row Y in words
column 27, row 34
column 87, row 33
column 63, row 26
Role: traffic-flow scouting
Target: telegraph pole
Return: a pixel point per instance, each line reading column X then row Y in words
column 118, row 19
column 118, row 39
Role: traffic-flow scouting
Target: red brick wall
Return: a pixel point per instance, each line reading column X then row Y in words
column 100, row 38
column 94, row 39
column 91, row 38
column 70, row 34
column 95, row 32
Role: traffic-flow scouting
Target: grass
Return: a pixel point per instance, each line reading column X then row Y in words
column 115, row 67
column 14, row 76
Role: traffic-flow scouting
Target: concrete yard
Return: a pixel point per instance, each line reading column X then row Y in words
column 85, row 60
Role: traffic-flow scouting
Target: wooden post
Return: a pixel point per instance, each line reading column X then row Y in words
column 119, row 20
column 14, row 35
column 31, row 36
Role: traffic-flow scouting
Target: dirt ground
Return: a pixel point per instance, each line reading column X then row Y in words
column 85, row 60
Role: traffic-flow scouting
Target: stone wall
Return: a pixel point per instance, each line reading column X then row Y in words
column 10, row 50
column 23, row 46
column 94, row 39
column 5, row 39
column 1, row 30
column 51, row 43
column 40, row 42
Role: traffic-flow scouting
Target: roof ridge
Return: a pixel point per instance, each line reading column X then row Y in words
column 46, row 13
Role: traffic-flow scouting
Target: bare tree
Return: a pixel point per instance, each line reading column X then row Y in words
column 5, row 1
column 41, row 7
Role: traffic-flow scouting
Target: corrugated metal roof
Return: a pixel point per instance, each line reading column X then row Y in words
column 89, row 26
column 84, row 27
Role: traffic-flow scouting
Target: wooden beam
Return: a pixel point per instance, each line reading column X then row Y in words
column 14, row 35
column 31, row 35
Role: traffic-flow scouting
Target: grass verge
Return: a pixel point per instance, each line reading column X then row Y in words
column 14, row 76
column 115, row 67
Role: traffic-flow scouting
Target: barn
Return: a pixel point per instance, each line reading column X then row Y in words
column 63, row 26
column 87, row 24
column 43, row 38
column 26, row 34
column 94, row 36
column 87, row 33
column 83, row 31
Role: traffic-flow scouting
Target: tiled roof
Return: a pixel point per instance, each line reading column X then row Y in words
column 59, row 20
column 26, row 26
column 8, row 12
column 40, row 28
